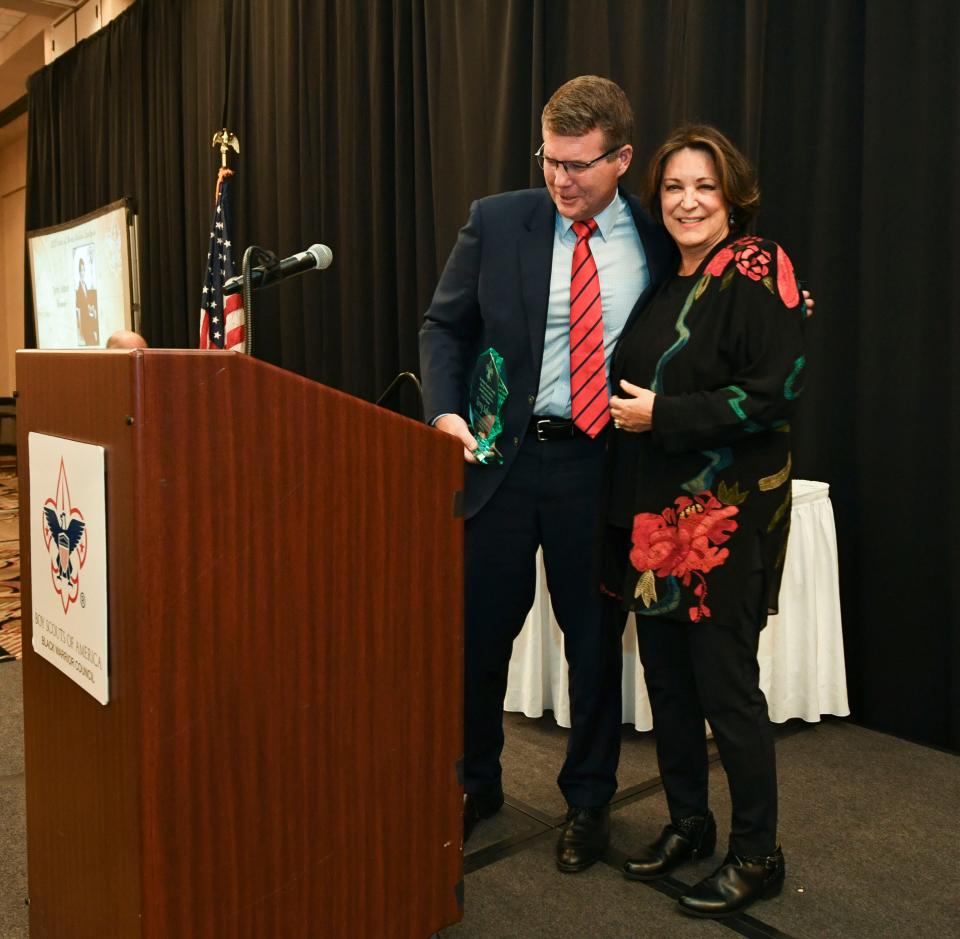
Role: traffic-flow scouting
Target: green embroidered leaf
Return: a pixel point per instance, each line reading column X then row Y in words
column 727, row 278
column 789, row 390
column 781, row 556
column 647, row 588
column 776, row 480
column 731, row 495
column 738, row 397
column 781, row 511
column 768, row 283
column 704, row 281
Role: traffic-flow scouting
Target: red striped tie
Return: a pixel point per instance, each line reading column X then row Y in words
column 588, row 376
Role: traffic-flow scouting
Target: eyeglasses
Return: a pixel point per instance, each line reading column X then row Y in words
column 571, row 167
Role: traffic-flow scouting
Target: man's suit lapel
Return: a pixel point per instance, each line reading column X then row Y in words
column 536, row 263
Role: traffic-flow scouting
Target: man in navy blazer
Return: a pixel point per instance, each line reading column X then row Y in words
column 506, row 286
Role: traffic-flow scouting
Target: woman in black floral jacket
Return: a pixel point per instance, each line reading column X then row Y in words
column 698, row 507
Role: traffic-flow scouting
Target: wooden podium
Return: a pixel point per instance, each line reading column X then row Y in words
column 279, row 754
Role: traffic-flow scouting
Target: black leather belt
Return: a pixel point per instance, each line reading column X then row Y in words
column 552, row 428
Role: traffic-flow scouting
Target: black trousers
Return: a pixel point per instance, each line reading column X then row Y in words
column 709, row 671
column 550, row 499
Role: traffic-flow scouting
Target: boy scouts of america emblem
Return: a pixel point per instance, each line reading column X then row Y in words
column 65, row 536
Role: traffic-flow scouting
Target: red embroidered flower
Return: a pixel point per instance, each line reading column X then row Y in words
column 786, row 280
column 701, row 610
column 718, row 263
column 682, row 540
column 753, row 261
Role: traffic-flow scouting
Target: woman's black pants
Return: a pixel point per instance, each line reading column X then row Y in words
column 709, row 671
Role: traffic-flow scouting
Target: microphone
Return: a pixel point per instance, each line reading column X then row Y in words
column 316, row 256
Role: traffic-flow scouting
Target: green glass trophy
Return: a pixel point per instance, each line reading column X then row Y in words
column 488, row 392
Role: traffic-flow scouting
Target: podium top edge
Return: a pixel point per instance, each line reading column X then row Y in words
column 150, row 351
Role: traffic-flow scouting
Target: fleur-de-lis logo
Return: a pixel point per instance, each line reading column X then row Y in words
column 65, row 537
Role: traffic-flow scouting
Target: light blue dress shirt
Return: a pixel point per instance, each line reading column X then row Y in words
column 624, row 275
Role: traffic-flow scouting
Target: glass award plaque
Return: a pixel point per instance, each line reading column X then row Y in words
column 488, row 392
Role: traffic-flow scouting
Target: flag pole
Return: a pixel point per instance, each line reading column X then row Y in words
column 223, row 319
column 224, row 139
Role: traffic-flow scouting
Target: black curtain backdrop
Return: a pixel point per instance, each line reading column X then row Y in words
column 370, row 125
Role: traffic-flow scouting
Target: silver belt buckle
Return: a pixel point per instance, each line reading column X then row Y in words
column 541, row 425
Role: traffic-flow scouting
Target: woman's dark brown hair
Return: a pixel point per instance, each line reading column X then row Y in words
column 737, row 178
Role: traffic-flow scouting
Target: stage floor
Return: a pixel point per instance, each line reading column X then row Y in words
column 866, row 823
column 867, row 826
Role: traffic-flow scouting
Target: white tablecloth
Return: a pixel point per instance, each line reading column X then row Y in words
column 801, row 649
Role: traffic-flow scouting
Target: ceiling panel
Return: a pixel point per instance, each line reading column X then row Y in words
column 9, row 19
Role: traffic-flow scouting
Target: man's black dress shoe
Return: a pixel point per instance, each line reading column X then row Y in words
column 733, row 886
column 684, row 839
column 476, row 807
column 583, row 838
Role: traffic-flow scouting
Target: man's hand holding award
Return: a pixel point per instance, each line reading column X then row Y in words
column 488, row 392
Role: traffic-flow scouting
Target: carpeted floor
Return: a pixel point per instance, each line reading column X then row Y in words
column 10, row 644
column 868, row 828
column 867, row 824
column 13, row 813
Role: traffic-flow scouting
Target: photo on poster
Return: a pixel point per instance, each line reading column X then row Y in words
column 85, row 278
column 88, row 316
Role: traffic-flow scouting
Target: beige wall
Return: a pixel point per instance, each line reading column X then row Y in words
column 22, row 51
column 13, row 182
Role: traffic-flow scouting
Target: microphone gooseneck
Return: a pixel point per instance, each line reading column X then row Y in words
column 316, row 257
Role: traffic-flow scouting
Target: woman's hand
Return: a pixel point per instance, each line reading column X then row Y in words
column 633, row 413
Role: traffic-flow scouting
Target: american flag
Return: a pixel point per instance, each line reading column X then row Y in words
column 221, row 318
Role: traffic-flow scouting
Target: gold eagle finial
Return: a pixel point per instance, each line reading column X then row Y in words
column 225, row 139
